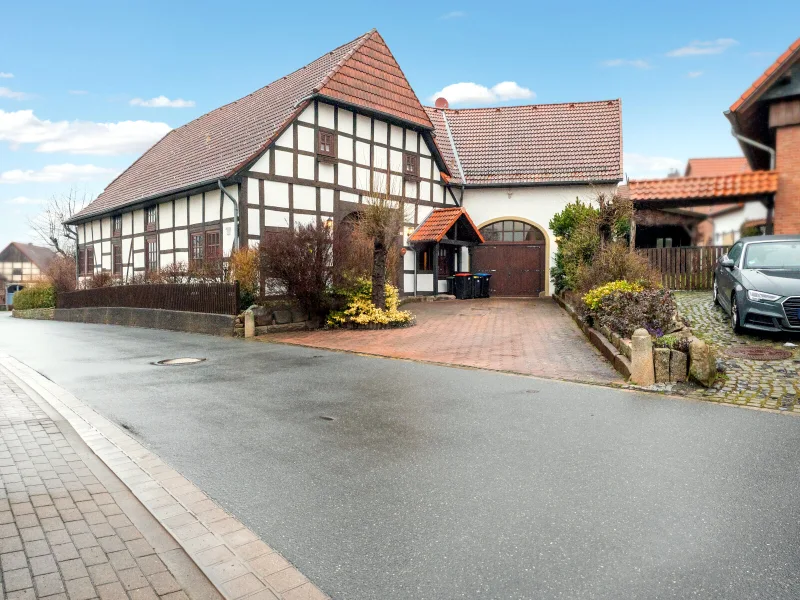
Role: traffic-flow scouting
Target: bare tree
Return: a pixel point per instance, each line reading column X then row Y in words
column 49, row 224
column 381, row 221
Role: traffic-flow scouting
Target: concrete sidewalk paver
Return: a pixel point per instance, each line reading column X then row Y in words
column 526, row 336
column 233, row 558
column 63, row 533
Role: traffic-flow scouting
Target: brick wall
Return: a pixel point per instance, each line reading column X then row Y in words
column 787, row 200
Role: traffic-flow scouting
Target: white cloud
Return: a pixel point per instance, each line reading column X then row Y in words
column 473, row 93
column 25, row 200
column 78, row 92
column 79, row 137
column 694, row 74
column 9, row 93
column 639, row 166
column 163, row 102
column 6, row 75
column 711, row 47
column 65, row 173
column 453, row 14
column 621, row 62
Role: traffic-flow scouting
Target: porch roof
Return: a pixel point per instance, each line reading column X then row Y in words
column 438, row 223
column 698, row 191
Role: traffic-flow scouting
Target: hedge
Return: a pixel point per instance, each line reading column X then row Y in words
column 35, row 296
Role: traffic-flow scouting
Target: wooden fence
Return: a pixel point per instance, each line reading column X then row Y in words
column 689, row 268
column 215, row 298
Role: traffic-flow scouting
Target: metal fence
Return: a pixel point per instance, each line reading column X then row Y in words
column 689, row 268
column 215, row 298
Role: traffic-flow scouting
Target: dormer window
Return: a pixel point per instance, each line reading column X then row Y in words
column 116, row 225
column 150, row 218
column 411, row 166
column 326, row 144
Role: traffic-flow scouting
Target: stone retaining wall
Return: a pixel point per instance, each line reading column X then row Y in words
column 171, row 320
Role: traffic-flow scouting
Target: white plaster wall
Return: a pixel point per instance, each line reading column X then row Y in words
column 262, row 164
column 127, row 223
column 305, row 197
column 307, row 116
column 138, row 221
column 283, row 163
column 165, row 215
column 286, row 139
column 196, row 209
column 325, row 115
column 252, row 191
column 732, row 222
column 326, row 200
column 181, row 238
column 227, row 203
column 345, row 121
column 424, row 282
column 213, row 206
column 537, row 204
column 252, row 222
column 180, row 212
column 305, row 166
column 305, row 139
column 276, row 193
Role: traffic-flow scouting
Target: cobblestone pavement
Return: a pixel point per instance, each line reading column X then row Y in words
column 62, row 533
column 531, row 337
column 771, row 384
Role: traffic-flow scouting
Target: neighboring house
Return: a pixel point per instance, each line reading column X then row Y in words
column 21, row 265
column 725, row 222
column 314, row 146
column 766, row 122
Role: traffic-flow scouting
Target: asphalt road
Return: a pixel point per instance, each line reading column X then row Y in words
column 444, row 483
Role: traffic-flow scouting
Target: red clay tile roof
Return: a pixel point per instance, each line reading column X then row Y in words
column 784, row 60
column 708, row 167
column 694, row 188
column 438, row 223
column 370, row 77
column 544, row 143
column 217, row 144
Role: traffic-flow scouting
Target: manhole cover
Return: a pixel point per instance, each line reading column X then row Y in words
column 170, row 362
column 758, row 353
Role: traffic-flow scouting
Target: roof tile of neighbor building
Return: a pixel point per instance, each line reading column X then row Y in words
column 438, row 223
column 216, row 145
column 783, row 59
column 540, row 143
column 707, row 167
column 721, row 186
column 38, row 255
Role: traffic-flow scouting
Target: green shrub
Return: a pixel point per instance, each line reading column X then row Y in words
column 596, row 295
column 673, row 342
column 616, row 262
column 361, row 311
column 626, row 311
column 35, row 296
column 577, row 240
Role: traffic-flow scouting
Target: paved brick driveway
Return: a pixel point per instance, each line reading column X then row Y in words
column 531, row 337
column 762, row 384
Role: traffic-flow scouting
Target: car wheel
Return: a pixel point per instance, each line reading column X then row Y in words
column 716, row 292
column 735, row 324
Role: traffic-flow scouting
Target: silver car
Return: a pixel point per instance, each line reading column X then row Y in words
column 758, row 283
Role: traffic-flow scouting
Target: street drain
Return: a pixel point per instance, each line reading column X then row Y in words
column 176, row 362
column 758, row 353
column 326, row 418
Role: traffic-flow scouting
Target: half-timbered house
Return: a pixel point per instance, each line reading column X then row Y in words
column 314, row 146
column 21, row 265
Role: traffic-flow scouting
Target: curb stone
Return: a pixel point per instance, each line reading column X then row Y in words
column 231, row 556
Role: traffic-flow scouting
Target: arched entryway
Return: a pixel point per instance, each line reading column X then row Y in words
column 10, row 291
column 515, row 253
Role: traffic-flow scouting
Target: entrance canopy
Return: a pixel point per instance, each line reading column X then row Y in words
column 447, row 226
column 688, row 192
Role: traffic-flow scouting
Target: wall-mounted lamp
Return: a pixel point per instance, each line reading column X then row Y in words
column 329, row 223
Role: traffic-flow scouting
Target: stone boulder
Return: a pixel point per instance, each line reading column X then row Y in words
column 677, row 366
column 661, row 364
column 702, row 363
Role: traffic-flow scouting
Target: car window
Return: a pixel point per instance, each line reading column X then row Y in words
column 735, row 252
column 775, row 255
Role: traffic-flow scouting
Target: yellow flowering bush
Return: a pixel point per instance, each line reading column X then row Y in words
column 595, row 296
column 361, row 311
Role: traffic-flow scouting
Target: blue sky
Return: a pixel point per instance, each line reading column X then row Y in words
column 85, row 87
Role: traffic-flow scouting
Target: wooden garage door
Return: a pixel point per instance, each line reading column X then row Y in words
column 517, row 268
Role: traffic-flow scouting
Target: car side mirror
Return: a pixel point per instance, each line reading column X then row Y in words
column 726, row 262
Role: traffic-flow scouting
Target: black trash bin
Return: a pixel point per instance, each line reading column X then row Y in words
column 463, row 286
column 451, row 285
column 483, row 279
